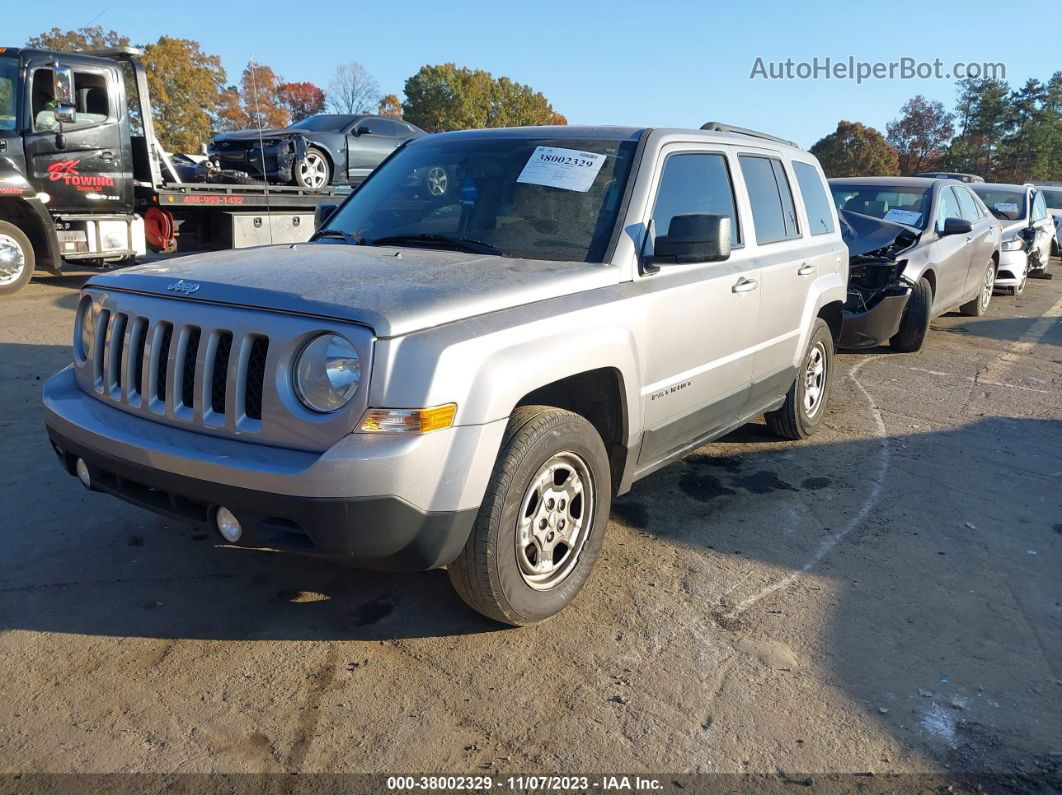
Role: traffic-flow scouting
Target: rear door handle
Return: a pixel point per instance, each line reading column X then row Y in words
column 744, row 285
column 805, row 270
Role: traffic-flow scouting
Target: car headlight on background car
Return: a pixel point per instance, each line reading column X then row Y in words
column 1014, row 244
column 327, row 373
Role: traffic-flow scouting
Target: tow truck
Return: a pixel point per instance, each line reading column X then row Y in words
column 83, row 177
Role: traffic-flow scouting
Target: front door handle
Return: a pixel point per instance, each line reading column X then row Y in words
column 805, row 270
column 107, row 157
column 744, row 285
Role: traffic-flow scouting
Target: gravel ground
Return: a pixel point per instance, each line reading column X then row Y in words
column 885, row 597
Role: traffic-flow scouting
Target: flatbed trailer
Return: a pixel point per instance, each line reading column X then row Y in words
column 83, row 177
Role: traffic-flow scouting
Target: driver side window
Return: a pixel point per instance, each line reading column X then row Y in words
column 695, row 182
column 92, row 104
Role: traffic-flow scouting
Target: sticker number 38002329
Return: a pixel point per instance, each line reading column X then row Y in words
column 562, row 168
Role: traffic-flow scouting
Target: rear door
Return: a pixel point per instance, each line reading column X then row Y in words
column 377, row 139
column 950, row 254
column 702, row 317
column 83, row 169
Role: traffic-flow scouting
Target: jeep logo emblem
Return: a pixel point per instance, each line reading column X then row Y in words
column 183, row 287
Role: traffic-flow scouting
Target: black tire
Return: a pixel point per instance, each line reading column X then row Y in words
column 978, row 305
column 487, row 574
column 305, row 180
column 915, row 320
column 795, row 420
column 17, row 279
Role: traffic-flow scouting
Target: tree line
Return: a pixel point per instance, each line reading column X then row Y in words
column 192, row 98
column 999, row 133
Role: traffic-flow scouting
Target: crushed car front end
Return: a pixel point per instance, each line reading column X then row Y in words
column 271, row 157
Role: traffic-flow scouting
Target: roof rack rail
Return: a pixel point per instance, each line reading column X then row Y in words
column 718, row 126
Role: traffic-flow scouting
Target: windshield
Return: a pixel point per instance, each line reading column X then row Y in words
column 1053, row 197
column 323, row 122
column 898, row 203
column 8, row 94
column 1008, row 203
column 533, row 198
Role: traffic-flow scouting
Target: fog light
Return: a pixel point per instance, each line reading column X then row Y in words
column 83, row 473
column 228, row 525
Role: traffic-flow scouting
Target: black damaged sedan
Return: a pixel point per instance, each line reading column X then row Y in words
column 321, row 150
column 917, row 248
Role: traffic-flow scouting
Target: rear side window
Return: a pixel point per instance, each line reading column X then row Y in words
column 773, row 213
column 967, row 206
column 820, row 214
column 695, row 182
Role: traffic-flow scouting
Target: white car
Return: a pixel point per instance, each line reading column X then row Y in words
column 1053, row 198
column 1027, row 231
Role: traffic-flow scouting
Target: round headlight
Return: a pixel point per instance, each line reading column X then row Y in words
column 327, row 373
column 86, row 328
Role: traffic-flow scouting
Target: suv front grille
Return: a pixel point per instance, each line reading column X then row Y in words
column 187, row 372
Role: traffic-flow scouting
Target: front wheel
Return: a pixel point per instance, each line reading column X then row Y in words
column 1020, row 287
column 805, row 402
column 914, row 323
column 313, row 171
column 978, row 305
column 16, row 259
column 540, row 528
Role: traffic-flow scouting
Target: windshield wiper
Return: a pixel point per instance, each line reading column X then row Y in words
column 354, row 240
column 463, row 243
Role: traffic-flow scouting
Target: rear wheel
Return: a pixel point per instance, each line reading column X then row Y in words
column 540, row 528
column 805, row 402
column 16, row 259
column 977, row 306
column 313, row 171
column 915, row 320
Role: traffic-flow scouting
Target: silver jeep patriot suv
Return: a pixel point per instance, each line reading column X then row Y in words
column 496, row 333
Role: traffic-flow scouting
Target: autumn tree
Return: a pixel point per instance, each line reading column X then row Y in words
column 449, row 97
column 185, row 85
column 80, row 40
column 390, row 106
column 921, row 134
column 301, row 99
column 352, row 90
column 855, row 150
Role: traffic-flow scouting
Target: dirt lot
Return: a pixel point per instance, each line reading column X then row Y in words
column 885, row 597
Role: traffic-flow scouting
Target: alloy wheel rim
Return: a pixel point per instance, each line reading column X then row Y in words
column 313, row 171
column 12, row 260
column 814, row 379
column 555, row 518
column 986, row 289
column 437, row 181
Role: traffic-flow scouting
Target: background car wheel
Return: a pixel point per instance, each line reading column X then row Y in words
column 915, row 320
column 542, row 521
column 979, row 304
column 805, row 402
column 1020, row 288
column 437, row 181
column 313, row 171
column 16, row 259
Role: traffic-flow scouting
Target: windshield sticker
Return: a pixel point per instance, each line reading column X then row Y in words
column 898, row 216
column 1006, row 207
column 555, row 167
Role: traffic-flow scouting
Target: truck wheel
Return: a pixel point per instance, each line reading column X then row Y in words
column 313, row 171
column 803, row 409
column 16, row 259
column 542, row 521
column 915, row 320
column 979, row 305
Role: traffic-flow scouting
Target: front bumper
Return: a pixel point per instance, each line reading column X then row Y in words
column 1012, row 265
column 279, row 160
column 868, row 328
column 399, row 504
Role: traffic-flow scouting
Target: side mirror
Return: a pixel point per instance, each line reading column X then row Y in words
column 63, row 92
column 321, row 215
column 956, row 226
column 694, row 237
column 363, row 131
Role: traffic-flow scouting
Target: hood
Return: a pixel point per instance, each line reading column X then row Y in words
column 252, row 135
column 376, row 287
column 864, row 234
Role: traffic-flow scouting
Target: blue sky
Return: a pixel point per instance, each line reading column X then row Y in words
column 616, row 62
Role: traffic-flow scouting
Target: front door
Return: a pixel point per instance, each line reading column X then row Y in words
column 82, row 166
column 701, row 318
column 379, row 137
column 950, row 255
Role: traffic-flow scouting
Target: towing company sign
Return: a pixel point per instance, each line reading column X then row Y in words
column 65, row 171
